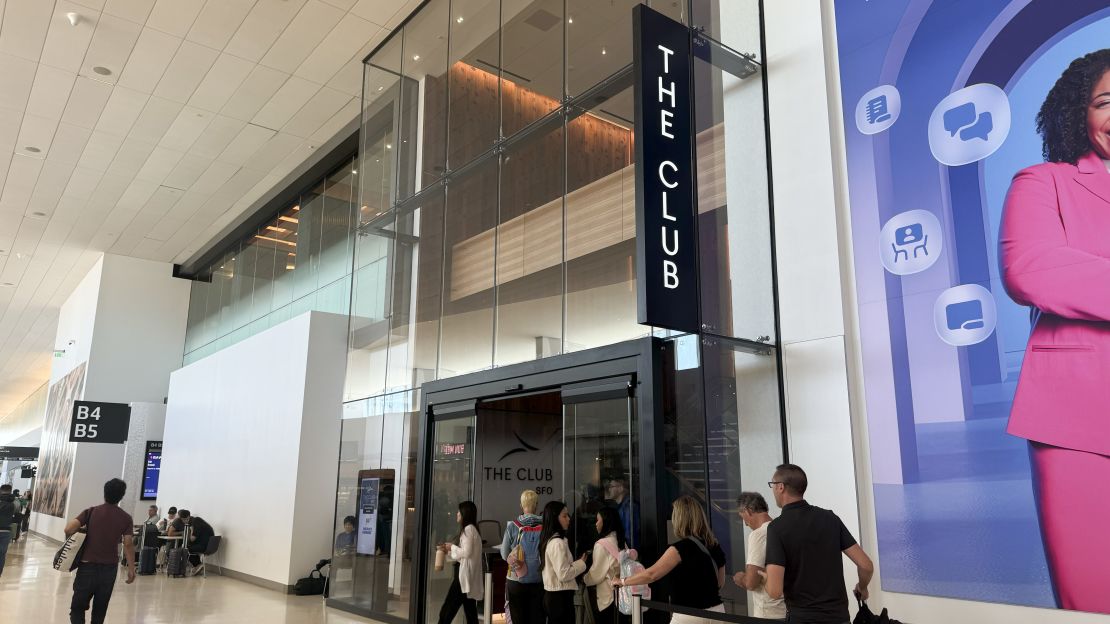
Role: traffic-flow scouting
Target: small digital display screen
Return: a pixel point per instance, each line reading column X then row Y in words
column 151, row 469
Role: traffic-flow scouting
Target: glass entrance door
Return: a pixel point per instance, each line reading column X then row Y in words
column 452, row 479
column 600, row 458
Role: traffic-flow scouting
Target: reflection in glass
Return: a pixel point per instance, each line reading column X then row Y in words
column 530, row 250
column 601, row 226
column 599, row 41
column 466, row 343
column 475, row 123
column 424, row 67
column 532, row 61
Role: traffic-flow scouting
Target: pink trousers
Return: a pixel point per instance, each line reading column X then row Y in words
column 1073, row 500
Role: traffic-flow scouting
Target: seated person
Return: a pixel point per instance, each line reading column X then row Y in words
column 199, row 534
column 166, row 523
column 346, row 541
column 150, row 528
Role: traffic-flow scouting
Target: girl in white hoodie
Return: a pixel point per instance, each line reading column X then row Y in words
column 557, row 565
column 466, row 552
column 606, row 566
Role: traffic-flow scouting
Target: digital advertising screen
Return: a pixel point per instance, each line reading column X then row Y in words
column 151, row 468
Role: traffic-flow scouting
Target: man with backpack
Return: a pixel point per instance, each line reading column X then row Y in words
column 521, row 549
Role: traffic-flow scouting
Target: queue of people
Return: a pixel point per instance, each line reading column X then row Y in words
column 792, row 564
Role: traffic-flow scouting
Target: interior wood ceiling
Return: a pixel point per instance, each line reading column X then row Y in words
column 205, row 107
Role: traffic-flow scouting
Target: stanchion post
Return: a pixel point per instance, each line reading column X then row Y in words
column 487, row 599
column 637, row 612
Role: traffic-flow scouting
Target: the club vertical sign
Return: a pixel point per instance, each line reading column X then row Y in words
column 666, row 252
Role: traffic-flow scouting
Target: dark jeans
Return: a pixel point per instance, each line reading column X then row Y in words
column 559, row 606
column 455, row 599
column 525, row 602
column 5, row 537
column 94, row 583
column 26, row 520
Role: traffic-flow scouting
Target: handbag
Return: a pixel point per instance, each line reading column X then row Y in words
column 518, row 563
column 68, row 556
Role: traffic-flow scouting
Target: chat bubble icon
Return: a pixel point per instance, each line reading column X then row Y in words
column 980, row 130
column 964, row 314
column 959, row 117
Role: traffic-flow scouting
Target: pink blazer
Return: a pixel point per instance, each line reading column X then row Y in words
column 1055, row 256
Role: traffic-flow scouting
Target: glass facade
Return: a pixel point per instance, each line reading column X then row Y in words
column 298, row 261
column 488, row 219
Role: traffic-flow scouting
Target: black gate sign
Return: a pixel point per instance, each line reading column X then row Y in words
column 666, row 251
column 105, row 423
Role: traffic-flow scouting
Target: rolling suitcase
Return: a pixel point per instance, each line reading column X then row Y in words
column 177, row 561
column 148, row 560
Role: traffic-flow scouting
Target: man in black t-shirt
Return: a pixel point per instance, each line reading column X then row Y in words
column 199, row 534
column 804, row 547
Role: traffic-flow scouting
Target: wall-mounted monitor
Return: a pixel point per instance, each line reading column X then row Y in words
column 151, row 467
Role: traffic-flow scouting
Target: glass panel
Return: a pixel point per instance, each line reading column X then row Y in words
column 475, row 57
column 195, row 334
column 451, row 478
column 281, row 235
column 366, row 358
column 222, row 276
column 532, row 56
column 743, row 429
column 674, row 9
column 530, row 250
column 310, row 221
column 398, row 499
column 600, row 464
column 382, row 95
column 424, row 65
column 684, row 452
column 266, row 256
column 601, row 225
column 734, row 23
column 417, row 293
column 335, row 226
column 599, row 41
column 242, row 286
column 468, row 295
column 734, row 227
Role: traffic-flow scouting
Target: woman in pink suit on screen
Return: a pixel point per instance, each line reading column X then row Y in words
column 1055, row 256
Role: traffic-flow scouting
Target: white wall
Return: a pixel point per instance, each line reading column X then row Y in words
column 126, row 319
column 252, row 440
column 825, row 408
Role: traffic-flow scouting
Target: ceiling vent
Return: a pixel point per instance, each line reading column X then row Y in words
column 543, row 20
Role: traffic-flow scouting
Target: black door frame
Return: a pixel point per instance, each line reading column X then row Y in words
column 641, row 359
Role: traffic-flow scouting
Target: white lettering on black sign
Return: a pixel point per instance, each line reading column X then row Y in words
column 666, row 254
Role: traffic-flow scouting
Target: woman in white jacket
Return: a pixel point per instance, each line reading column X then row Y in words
column 466, row 552
column 557, row 565
column 606, row 566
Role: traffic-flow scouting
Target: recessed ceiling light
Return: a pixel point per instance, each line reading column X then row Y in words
column 388, row 146
column 459, row 20
column 354, row 171
column 570, row 20
column 38, row 214
column 103, row 71
column 381, row 88
column 416, row 57
column 603, row 52
column 32, row 149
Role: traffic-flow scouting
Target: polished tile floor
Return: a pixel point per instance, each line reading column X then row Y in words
column 32, row 591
